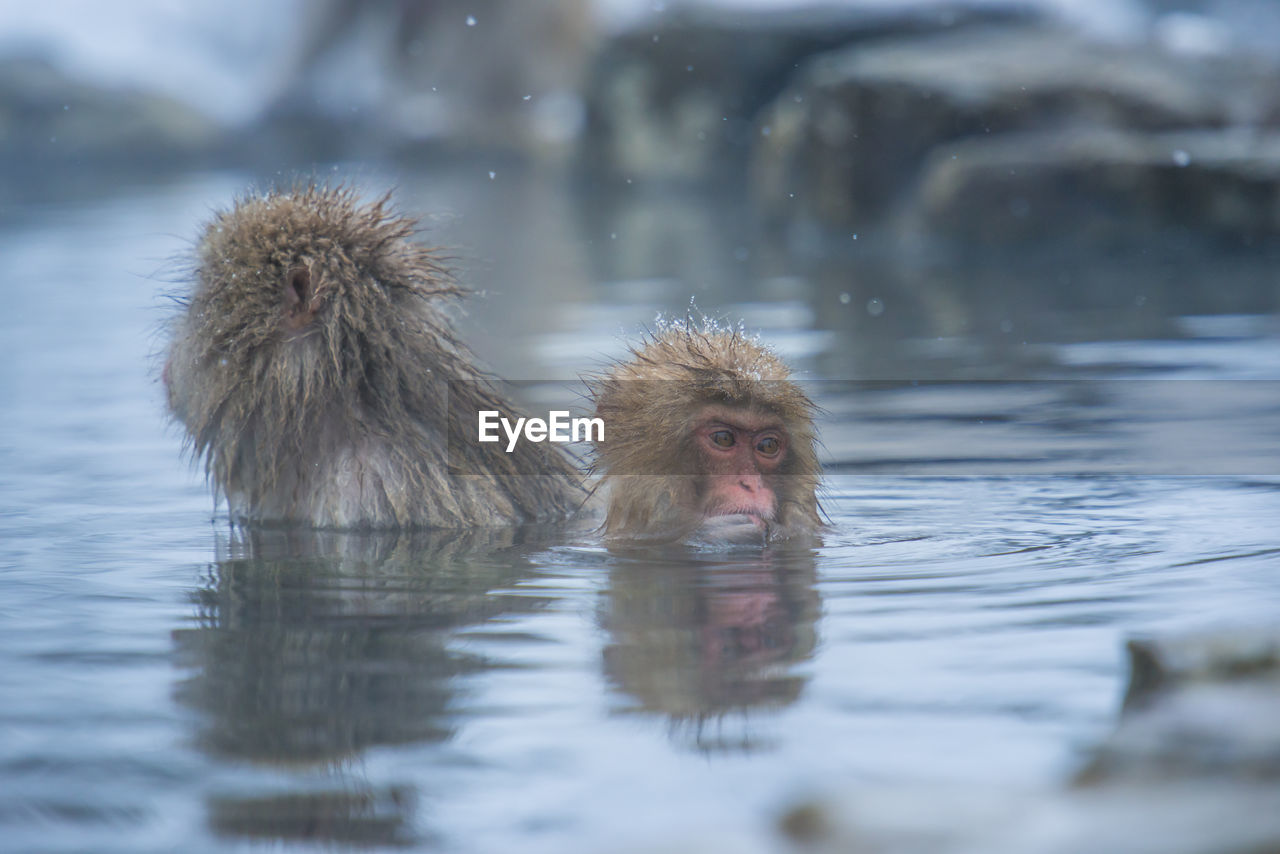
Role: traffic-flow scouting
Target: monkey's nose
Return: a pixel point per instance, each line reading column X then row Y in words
column 751, row 482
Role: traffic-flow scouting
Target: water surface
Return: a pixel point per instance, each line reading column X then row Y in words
column 168, row 683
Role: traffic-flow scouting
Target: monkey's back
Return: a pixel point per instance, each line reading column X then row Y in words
column 317, row 376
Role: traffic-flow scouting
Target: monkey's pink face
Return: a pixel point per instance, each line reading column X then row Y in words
column 740, row 451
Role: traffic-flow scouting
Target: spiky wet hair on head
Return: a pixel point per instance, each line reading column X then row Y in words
column 358, row 256
column 676, row 371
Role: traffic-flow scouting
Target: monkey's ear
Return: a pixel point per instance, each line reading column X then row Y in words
column 299, row 297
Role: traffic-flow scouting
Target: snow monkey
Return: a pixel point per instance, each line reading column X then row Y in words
column 317, row 376
column 706, row 436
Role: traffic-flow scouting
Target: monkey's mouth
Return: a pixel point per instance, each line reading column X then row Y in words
column 733, row 526
column 732, row 516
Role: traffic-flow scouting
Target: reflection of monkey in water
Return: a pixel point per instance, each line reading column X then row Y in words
column 696, row 640
column 706, row 436
column 311, row 647
column 312, row 366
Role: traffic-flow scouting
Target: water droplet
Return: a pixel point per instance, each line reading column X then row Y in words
column 1180, row 157
column 492, row 175
column 471, row 20
column 875, row 307
column 764, row 131
column 845, row 299
column 527, row 98
column 855, row 236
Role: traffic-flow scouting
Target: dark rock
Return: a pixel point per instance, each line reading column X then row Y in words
column 1160, row 818
column 676, row 98
column 1197, row 707
column 1158, row 665
column 849, row 137
column 1192, row 769
column 1100, row 187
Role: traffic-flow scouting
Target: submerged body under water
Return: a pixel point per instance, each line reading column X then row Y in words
column 994, row 535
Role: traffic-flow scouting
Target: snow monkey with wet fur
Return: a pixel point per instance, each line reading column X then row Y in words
column 317, row 376
column 706, row 437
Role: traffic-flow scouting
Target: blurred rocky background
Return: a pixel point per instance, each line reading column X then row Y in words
column 952, row 124
column 1017, row 171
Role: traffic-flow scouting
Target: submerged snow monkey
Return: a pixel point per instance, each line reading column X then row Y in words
column 706, row 438
column 316, row 374
column 317, row 377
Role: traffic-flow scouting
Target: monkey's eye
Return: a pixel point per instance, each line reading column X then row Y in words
column 769, row 446
column 722, row 438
